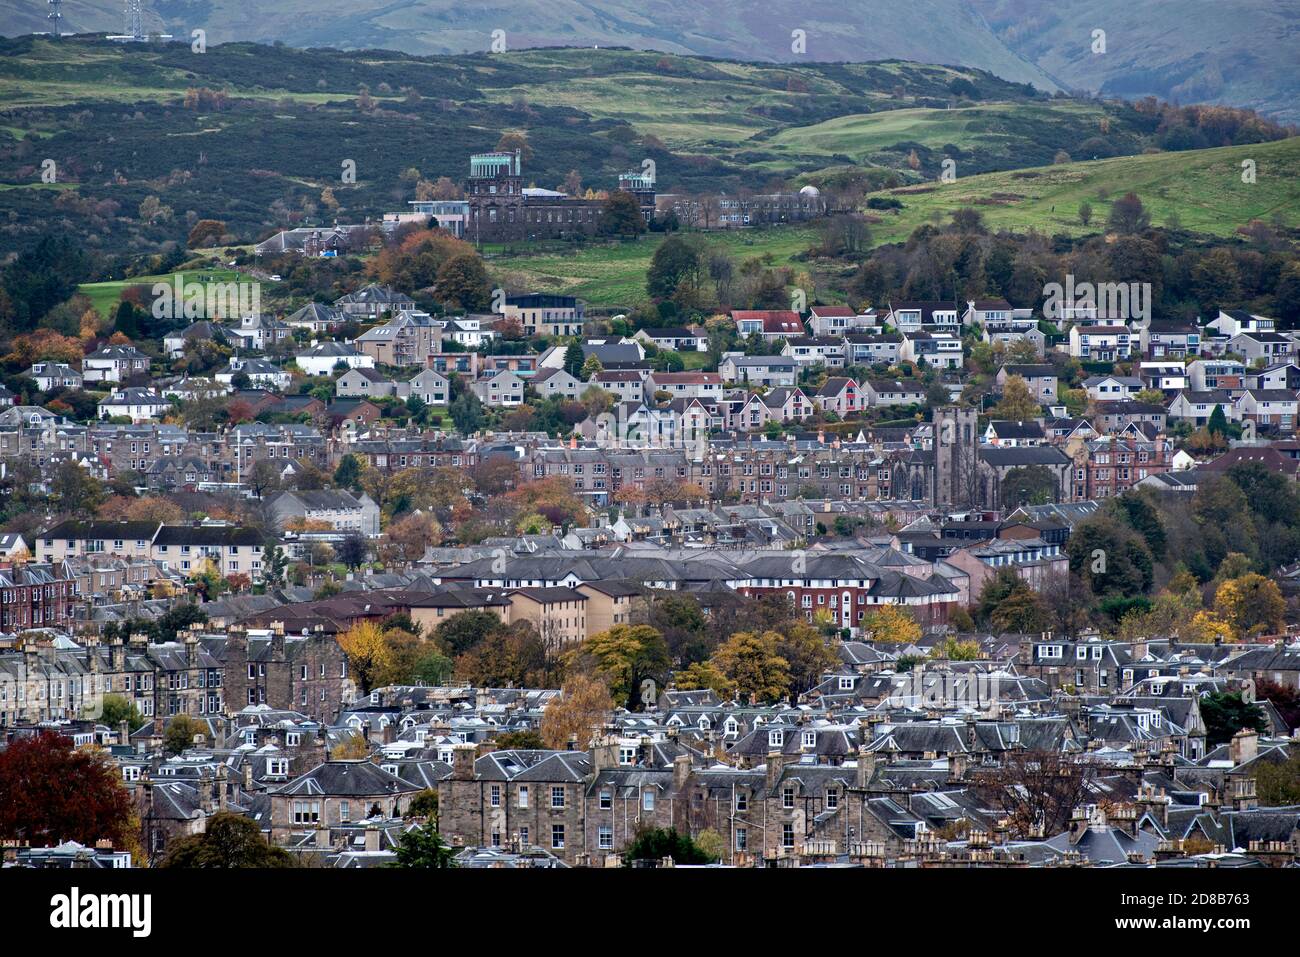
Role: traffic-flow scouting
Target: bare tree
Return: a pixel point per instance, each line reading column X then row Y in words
column 1037, row 791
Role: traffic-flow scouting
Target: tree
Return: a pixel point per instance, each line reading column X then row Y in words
column 675, row 262
column 264, row 477
column 1109, row 557
column 180, row 733
column 1252, row 605
column 423, row 847
column 1277, row 783
column 117, row 708
column 623, row 657
column 466, row 413
column 1284, row 698
column 466, row 630
column 807, row 653
column 621, row 215
column 1008, row 603
column 1018, row 403
column 273, row 566
column 206, row 232
column 752, row 666
column 368, row 652
column 573, row 359
column 424, row 804
column 954, row 650
column 354, row 747
column 893, row 625
column 700, row 675
column 1128, row 215
column 526, row 740
column 512, row 656
column 462, row 283
column 348, row 473
column 1085, row 212
column 512, row 140
column 1218, row 423
column 1028, row 485
column 353, row 551
column 73, row 489
column 590, row 367
column 1037, row 791
column 578, row 715
column 655, row 844
column 228, row 841
column 408, row 538
column 52, row 792
column 1225, row 713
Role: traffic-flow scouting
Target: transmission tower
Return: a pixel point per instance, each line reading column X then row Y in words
column 55, row 16
column 135, row 21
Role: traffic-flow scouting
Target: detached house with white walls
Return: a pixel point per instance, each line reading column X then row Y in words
column 114, row 364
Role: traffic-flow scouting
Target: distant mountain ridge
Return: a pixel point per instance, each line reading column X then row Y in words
column 1236, row 52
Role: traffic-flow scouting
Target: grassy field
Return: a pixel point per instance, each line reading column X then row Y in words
column 1203, row 189
column 988, row 127
column 104, row 296
column 614, row 275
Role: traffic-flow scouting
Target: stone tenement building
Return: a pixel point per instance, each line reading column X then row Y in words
column 502, row 209
column 210, row 676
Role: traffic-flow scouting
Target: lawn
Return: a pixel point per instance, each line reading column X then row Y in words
column 104, row 296
column 613, row 275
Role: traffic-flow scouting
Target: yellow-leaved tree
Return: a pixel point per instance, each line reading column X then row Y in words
column 1251, row 604
column 752, row 665
column 575, row 718
column 368, row 652
column 892, row 625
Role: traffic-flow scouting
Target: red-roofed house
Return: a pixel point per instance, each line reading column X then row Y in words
column 768, row 323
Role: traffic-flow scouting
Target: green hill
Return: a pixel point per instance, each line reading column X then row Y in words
column 1203, row 189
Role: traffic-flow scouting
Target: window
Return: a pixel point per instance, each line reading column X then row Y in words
column 605, row 837
column 523, row 795
column 832, row 798
column 557, row 836
column 557, row 798
column 523, row 836
column 775, row 739
column 787, row 797
column 606, row 800
column 345, row 811
column 306, row 812
column 810, row 739
column 647, row 800
column 787, row 835
column 495, row 798
column 742, row 801
column 742, row 839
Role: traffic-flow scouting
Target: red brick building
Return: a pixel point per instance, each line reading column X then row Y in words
column 1104, row 468
column 36, row 596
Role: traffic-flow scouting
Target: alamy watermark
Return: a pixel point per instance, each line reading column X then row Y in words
column 1113, row 300
column 182, row 299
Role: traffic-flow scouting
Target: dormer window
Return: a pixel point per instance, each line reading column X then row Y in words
column 810, row 739
column 277, row 767
column 626, row 755
column 846, row 683
column 292, row 739
column 775, row 738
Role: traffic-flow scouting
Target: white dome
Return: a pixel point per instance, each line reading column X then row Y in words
column 810, row 191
